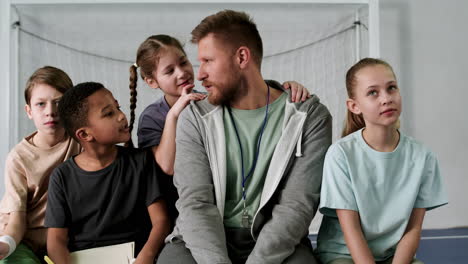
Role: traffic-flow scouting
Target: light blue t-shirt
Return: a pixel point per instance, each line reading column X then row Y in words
column 383, row 187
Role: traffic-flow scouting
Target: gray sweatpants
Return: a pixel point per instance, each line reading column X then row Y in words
column 240, row 244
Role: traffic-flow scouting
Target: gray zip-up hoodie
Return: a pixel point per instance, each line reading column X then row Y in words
column 291, row 192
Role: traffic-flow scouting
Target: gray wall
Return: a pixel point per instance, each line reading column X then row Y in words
column 426, row 41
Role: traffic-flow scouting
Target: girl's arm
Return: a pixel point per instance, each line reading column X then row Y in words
column 164, row 153
column 355, row 240
column 409, row 243
column 57, row 250
column 298, row 91
column 16, row 228
column 161, row 226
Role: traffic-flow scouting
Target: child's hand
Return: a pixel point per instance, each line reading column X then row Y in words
column 141, row 259
column 185, row 99
column 4, row 248
column 298, row 92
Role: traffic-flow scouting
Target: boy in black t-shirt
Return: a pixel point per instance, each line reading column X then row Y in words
column 107, row 194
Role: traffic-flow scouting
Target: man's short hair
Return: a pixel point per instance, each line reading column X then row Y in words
column 73, row 106
column 235, row 29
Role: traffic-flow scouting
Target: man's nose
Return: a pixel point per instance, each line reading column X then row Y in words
column 201, row 75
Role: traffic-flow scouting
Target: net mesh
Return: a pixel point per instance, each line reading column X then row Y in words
column 313, row 44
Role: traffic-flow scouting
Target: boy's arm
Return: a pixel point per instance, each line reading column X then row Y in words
column 14, row 202
column 409, row 243
column 57, row 250
column 16, row 228
column 354, row 238
column 161, row 226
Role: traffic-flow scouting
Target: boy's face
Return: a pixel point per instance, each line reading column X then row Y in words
column 42, row 109
column 107, row 125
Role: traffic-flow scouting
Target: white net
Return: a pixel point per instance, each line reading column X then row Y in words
column 309, row 43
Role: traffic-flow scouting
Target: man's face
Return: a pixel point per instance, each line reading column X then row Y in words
column 218, row 70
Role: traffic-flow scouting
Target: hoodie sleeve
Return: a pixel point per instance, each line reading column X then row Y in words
column 199, row 221
column 298, row 194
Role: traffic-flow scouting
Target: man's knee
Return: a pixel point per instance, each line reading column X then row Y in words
column 302, row 254
column 175, row 253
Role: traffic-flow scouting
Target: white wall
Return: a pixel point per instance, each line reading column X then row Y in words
column 426, row 41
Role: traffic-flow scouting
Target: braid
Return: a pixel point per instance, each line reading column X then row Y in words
column 133, row 100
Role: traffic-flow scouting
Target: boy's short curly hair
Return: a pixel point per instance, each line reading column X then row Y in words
column 73, row 106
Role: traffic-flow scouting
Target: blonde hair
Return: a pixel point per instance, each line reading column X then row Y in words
column 355, row 122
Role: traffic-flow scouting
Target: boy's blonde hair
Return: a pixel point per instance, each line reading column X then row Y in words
column 49, row 75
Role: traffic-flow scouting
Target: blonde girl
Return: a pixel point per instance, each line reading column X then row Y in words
column 378, row 183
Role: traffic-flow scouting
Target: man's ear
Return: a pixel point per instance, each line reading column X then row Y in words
column 243, row 56
column 152, row 83
column 83, row 134
column 353, row 107
column 27, row 108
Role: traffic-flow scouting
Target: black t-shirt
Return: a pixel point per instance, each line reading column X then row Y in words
column 104, row 207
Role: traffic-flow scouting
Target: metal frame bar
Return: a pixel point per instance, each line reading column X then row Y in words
column 357, row 36
column 374, row 29
column 29, row 2
column 5, row 84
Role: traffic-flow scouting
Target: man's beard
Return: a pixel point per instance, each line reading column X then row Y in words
column 229, row 91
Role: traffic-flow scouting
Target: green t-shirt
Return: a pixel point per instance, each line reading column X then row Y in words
column 249, row 125
column 383, row 187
